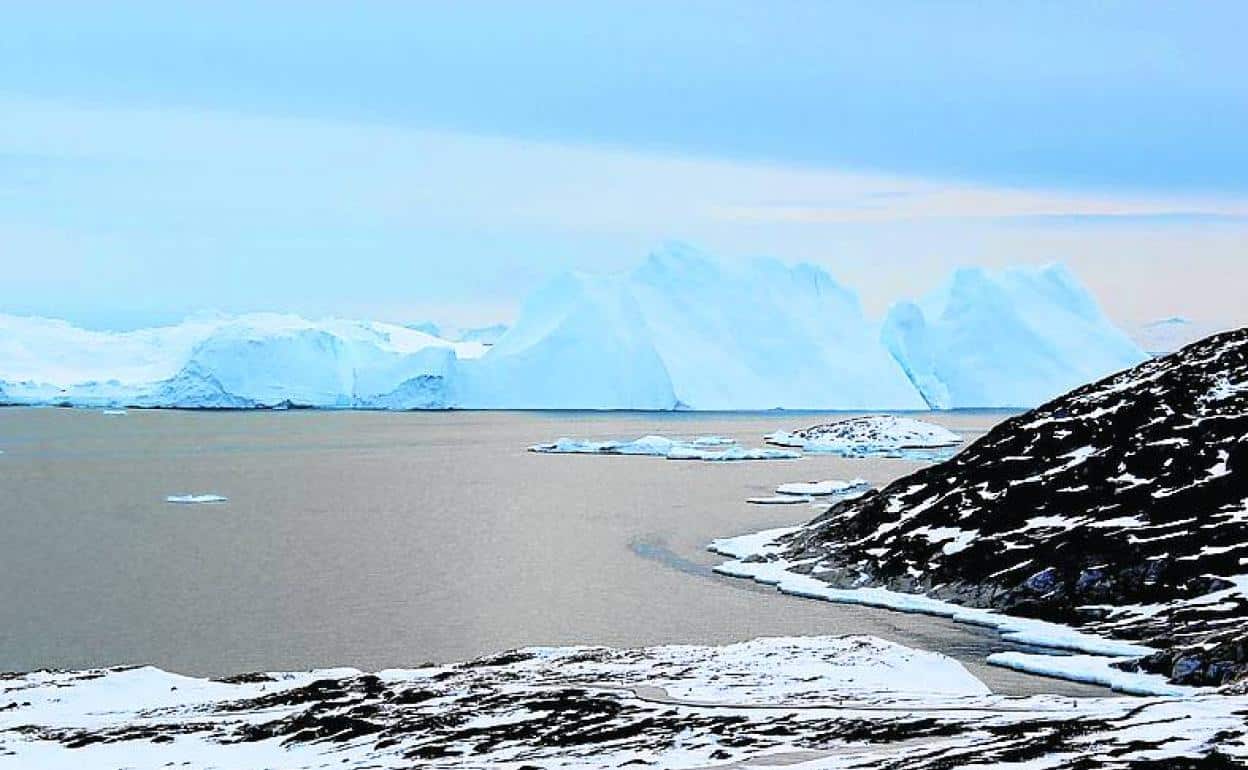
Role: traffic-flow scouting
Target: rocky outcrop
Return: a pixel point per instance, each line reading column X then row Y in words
column 1121, row 507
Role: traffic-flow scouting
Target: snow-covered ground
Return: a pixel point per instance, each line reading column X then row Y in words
column 828, row 702
column 683, row 330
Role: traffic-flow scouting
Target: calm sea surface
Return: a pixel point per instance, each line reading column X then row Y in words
column 391, row 539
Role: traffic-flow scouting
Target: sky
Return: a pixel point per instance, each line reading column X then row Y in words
column 411, row 161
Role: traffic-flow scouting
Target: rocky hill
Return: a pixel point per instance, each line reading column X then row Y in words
column 1121, row 507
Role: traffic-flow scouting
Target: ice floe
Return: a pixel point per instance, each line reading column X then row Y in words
column 711, row 448
column 823, row 488
column 780, row 500
column 192, row 499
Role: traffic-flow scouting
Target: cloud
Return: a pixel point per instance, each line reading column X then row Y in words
column 237, row 211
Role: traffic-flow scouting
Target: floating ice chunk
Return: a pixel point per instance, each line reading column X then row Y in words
column 730, row 454
column 191, row 499
column 710, row 448
column 112, row 411
column 870, row 435
column 780, row 500
column 823, row 488
column 646, row 445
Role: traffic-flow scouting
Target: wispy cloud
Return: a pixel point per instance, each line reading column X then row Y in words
column 242, row 211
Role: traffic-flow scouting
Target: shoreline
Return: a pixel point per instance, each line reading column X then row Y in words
column 1089, row 660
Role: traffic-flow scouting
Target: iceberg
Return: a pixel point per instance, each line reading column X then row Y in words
column 1015, row 338
column 685, row 331
column 260, row 360
column 681, row 331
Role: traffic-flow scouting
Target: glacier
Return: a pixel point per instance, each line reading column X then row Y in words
column 681, row 331
column 1015, row 338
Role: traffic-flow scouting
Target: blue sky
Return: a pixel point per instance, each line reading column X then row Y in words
column 409, row 160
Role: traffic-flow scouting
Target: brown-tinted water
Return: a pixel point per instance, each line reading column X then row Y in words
column 390, row 539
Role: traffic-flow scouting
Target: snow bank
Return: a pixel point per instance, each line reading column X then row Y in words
column 1092, row 669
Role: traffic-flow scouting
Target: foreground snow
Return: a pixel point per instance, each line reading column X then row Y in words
column 836, row 702
column 681, row 331
column 709, row 448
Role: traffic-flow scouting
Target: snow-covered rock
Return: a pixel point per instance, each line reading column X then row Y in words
column 1012, row 339
column 833, row 702
column 1120, row 508
column 879, row 434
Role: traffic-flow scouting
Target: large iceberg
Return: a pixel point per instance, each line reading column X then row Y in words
column 1015, row 338
column 682, row 331
column 253, row 361
column 686, row 331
